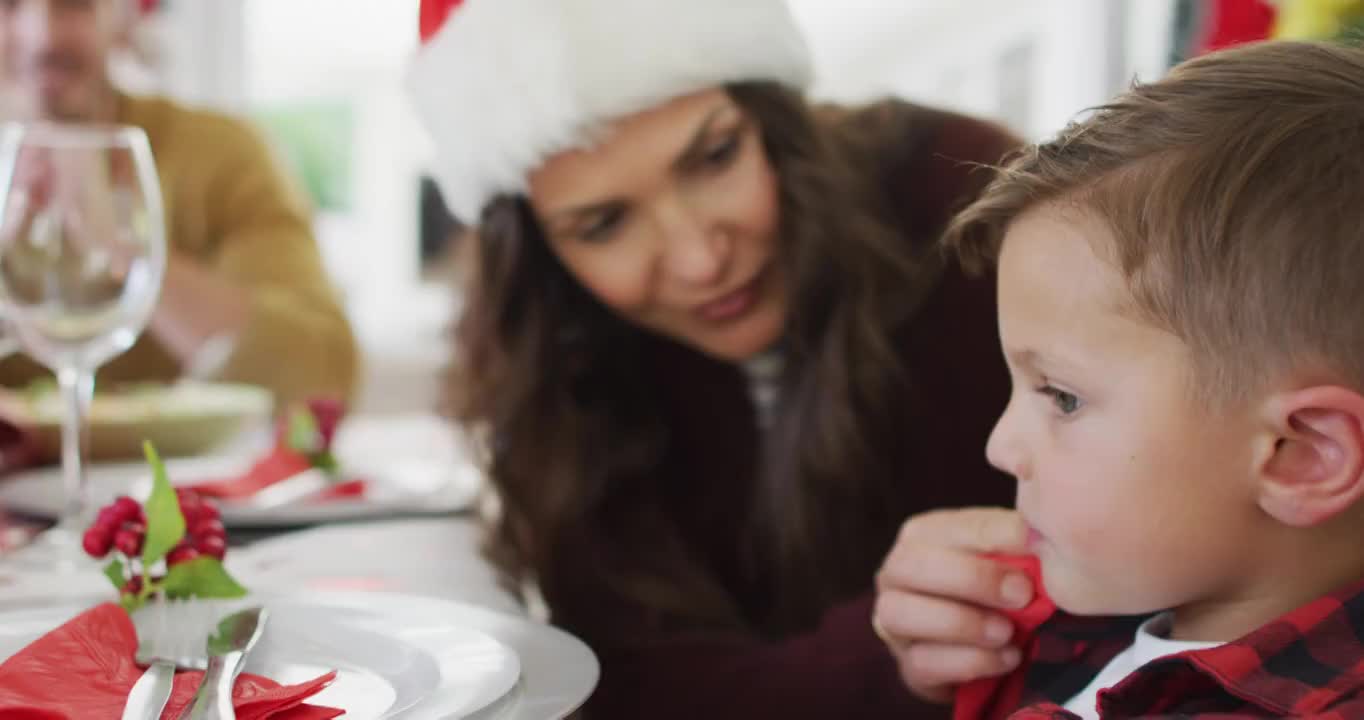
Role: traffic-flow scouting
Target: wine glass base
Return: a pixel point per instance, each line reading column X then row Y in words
column 56, row 550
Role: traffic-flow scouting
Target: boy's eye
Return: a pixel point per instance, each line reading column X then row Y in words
column 1066, row 403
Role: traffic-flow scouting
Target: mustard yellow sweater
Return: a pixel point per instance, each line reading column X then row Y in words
column 229, row 205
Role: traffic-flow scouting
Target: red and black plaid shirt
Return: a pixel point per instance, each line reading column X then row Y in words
column 1307, row 664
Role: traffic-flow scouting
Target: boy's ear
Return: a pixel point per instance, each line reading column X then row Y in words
column 1314, row 468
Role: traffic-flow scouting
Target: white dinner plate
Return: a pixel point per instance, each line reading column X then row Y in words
column 558, row 671
column 395, row 657
column 413, row 466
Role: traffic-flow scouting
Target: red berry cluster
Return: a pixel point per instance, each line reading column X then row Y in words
column 204, row 531
column 122, row 526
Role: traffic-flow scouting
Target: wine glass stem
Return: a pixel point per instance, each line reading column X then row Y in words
column 77, row 388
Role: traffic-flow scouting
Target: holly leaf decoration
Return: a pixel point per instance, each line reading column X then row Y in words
column 308, row 431
column 165, row 522
column 202, row 577
column 114, row 571
column 326, row 462
column 302, row 433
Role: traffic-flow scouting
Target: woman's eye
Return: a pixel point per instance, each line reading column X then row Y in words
column 601, row 228
column 719, row 156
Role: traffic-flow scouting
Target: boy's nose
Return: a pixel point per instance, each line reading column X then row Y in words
column 1003, row 450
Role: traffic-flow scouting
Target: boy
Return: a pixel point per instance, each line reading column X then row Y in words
column 1181, row 299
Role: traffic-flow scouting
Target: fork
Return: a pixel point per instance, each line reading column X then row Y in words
column 169, row 637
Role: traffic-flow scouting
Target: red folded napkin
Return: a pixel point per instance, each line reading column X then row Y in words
column 281, row 464
column 990, row 698
column 84, row 670
column 292, row 455
column 344, row 489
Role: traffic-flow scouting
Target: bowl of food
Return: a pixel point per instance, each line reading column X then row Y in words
column 180, row 419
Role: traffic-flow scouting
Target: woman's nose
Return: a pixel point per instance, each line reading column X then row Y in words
column 696, row 252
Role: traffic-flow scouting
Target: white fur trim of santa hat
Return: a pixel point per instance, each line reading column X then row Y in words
column 504, row 84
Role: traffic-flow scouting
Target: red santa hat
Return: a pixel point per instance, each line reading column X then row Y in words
column 502, row 84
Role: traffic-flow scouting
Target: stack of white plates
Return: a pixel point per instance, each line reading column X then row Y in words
column 397, row 656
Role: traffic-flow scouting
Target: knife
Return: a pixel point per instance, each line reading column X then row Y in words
column 227, row 649
column 149, row 693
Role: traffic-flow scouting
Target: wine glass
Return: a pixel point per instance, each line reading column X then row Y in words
column 82, row 255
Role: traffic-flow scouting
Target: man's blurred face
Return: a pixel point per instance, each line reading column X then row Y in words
column 54, row 55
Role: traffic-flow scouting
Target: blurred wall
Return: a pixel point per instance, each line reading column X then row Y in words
column 1032, row 65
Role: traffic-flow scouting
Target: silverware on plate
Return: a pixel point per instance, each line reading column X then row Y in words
column 168, row 638
column 227, row 649
column 149, row 694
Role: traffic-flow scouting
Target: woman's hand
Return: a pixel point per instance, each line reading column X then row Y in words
column 935, row 595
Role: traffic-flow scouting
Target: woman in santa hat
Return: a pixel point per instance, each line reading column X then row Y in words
column 712, row 347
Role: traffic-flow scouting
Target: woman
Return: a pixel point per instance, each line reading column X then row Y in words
column 715, row 353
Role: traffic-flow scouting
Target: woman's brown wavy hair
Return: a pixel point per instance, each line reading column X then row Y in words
column 562, row 396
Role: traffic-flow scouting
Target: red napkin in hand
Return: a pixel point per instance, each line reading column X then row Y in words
column 84, row 670
column 999, row 697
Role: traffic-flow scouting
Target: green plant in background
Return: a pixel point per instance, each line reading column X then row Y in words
column 316, row 138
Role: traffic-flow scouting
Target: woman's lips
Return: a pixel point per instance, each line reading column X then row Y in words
column 733, row 304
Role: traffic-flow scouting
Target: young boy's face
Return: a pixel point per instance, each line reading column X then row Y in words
column 1140, row 499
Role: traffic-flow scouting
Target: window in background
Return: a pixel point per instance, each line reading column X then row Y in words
column 1032, row 65
column 1017, row 67
column 325, row 76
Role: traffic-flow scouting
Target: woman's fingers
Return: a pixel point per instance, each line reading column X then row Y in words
column 920, row 567
column 934, row 671
column 937, row 594
column 908, row 619
column 981, row 530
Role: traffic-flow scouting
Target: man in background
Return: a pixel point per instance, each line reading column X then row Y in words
column 245, row 296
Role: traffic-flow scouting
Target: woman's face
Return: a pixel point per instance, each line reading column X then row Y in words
column 671, row 221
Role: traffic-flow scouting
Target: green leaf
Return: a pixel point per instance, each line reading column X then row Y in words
column 165, row 522
column 303, row 434
column 114, row 571
column 326, row 462
column 202, row 577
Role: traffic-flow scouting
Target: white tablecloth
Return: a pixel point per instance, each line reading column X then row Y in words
column 435, row 557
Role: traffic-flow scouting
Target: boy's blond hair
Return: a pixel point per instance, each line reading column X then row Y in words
column 1234, row 189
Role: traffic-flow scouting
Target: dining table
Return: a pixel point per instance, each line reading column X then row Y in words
column 424, row 558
